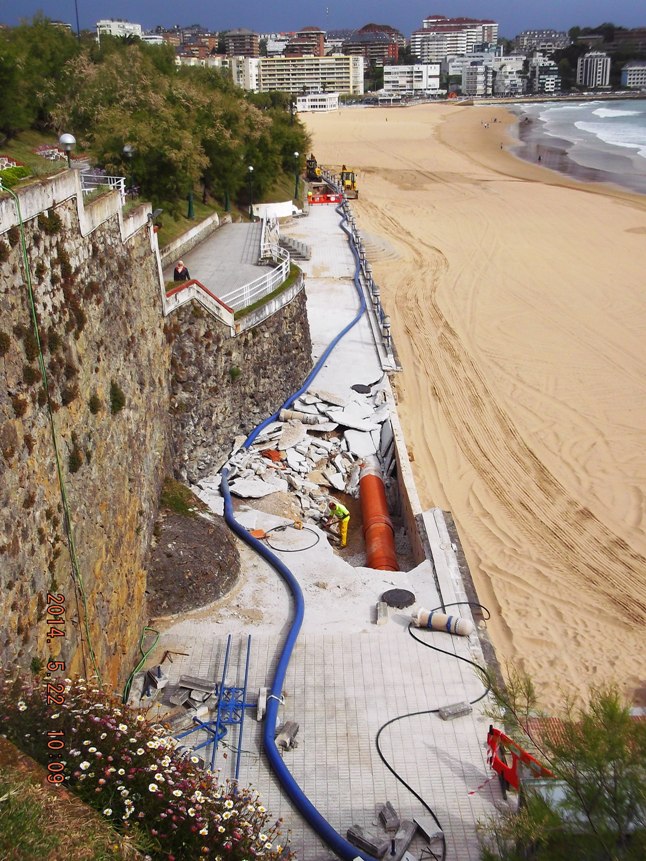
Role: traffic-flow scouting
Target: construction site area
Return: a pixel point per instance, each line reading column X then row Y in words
column 312, row 680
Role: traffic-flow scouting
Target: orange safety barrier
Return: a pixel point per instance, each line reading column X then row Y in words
column 377, row 526
column 497, row 739
column 325, row 198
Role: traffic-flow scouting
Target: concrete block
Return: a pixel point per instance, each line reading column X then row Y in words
column 382, row 616
column 428, row 826
column 180, row 697
column 403, row 839
column 455, row 710
column 196, row 683
column 374, row 844
column 388, row 816
column 156, row 677
column 261, row 705
column 286, row 738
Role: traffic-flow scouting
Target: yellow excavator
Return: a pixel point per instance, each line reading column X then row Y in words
column 313, row 170
column 349, row 183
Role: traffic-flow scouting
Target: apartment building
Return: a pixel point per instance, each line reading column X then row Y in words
column 509, row 80
column 593, row 70
column 419, row 80
column 244, row 72
column 477, row 79
column 308, row 42
column 543, row 75
column 302, row 75
column 546, row 41
column 440, row 36
column 633, row 75
column 117, row 27
column 242, row 43
column 377, row 46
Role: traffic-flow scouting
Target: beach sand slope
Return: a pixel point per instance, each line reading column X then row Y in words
column 519, row 315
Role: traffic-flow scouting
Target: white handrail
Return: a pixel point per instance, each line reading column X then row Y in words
column 246, row 295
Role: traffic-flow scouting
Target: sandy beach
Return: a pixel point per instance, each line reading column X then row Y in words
column 518, row 311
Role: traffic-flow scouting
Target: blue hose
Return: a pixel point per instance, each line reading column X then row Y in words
column 317, row 367
column 341, row 847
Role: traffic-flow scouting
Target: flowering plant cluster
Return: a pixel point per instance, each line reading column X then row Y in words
column 128, row 769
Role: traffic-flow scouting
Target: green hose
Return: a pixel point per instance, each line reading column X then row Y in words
column 144, row 655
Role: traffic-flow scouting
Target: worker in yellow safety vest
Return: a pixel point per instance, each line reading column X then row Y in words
column 340, row 515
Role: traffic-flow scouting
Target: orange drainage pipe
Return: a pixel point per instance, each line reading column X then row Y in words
column 377, row 526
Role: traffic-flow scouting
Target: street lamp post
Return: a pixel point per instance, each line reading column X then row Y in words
column 129, row 151
column 296, row 154
column 67, row 142
column 250, row 191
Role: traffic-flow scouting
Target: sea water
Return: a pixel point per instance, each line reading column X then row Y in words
column 602, row 141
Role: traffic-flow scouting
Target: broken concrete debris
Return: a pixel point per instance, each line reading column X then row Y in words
column 314, row 449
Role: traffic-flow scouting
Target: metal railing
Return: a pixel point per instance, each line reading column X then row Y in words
column 246, row 295
column 193, row 289
column 90, row 182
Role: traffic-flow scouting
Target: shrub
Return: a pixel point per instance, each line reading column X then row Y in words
column 5, row 251
column 50, row 223
column 5, row 343
column 95, row 404
column 19, row 405
column 124, row 767
column 117, row 398
column 68, row 394
column 30, row 374
column 13, row 235
column 31, row 344
column 75, row 460
column 53, row 340
column 12, row 175
column 234, row 372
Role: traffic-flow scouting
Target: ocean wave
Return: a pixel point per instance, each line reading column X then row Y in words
column 610, row 112
column 617, row 134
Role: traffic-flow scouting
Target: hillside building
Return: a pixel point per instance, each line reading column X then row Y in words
column 117, row 27
column 308, row 42
column 633, row 75
column 378, row 44
column 440, row 36
column 543, row 75
column 546, row 41
column 242, row 43
column 593, row 70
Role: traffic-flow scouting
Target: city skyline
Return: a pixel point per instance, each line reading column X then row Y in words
column 333, row 15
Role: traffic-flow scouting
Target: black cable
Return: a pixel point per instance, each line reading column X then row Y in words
column 292, row 549
column 434, row 711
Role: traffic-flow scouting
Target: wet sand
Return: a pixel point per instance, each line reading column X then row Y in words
column 519, row 315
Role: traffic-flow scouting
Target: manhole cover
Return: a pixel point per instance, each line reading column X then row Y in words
column 398, row 598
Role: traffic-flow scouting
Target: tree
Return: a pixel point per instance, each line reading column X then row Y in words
column 596, row 807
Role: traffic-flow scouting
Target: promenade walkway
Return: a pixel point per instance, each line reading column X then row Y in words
column 348, row 676
column 226, row 260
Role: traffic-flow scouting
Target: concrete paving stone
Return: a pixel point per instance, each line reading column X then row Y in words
column 347, row 677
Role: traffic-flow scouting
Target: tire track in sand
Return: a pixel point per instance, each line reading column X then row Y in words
column 574, row 537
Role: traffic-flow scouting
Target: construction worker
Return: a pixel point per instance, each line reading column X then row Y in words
column 341, row 515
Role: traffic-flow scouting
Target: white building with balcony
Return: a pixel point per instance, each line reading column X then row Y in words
column 593, row 70
column 477, row 79
column 302, row 75
column 317, row 102
column 633, row 75
column 117, row 27
column 422, row 79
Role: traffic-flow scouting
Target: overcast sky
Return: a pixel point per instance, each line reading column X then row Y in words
column 263, row 16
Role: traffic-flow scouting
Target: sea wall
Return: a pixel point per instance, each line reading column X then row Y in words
column 223, row 386
column 98, row 301
column 132, row 396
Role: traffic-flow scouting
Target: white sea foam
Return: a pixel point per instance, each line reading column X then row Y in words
column 611, row 112
column 617, row 134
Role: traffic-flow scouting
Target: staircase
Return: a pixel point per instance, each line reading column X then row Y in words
column 298, row 250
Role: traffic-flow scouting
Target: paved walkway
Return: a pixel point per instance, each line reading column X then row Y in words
column 347, row 676
column 226, row 260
